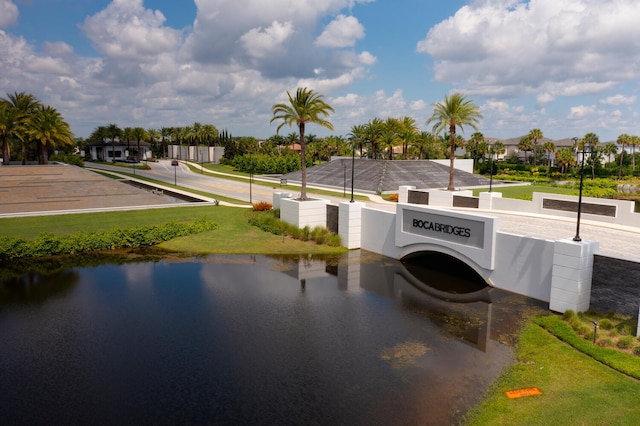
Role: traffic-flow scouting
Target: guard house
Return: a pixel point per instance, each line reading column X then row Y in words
column 119, row 150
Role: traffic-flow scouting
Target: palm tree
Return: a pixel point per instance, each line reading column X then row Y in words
column 139, row 133
column 7, row 125
column 535, row 135
column 549, row 147
column 127, row 135
column 113, row 132
column 455, row 111
column 472, row 146
column 565, row 159
column 593, row 140
column 48, row 128
column 155, row 136
column 25, row 106
column 623, row 139
column 374, row 129
column 526, row 145
column 357, row 134
column 306, row 107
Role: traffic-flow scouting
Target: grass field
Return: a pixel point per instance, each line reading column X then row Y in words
column 234, row 234
column 525, row 192
column 576, row 389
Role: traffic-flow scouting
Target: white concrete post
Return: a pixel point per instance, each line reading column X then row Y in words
column 403, row 193
column 350, row 224
column 571, row 275
column 486, row 199
column 277, row 196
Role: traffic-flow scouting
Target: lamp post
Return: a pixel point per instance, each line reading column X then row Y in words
column 490, row 167
column 344, row 179
column 575, row 140
column 353, row 162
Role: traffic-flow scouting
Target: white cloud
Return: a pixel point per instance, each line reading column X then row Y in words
column 547, row 48
column 581, row 111
column 262, row 43
column 58, row 48
column 343, row 31
column 8, row 13
column 125, row 30
column 619, row 100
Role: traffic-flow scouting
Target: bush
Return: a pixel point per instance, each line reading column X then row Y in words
column 262, row 206
column 47, row 244
column 568, row 314
column 636, row 350
column 605, row 324
column 625, row 342
column 393, row 197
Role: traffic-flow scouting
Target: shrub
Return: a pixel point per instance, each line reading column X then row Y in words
column 636, row 350
column 568, row 314
column 262, row 206
column 605, row 324
column 604, row 342
column 47, row 244
column 393, row 197
column 625, row 342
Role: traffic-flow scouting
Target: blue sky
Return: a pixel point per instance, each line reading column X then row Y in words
column 567, row 67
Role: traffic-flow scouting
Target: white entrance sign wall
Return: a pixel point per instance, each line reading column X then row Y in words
column 471, row 235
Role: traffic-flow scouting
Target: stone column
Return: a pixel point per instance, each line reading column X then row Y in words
column 350, row 224
column 486, row 199
column 571, row 275
column 403, row 193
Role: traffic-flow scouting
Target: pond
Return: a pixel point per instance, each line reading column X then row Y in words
column 248, row 340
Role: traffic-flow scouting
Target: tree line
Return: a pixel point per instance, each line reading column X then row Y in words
column 31, row 127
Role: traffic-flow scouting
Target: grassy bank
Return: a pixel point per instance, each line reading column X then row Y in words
column 233, row 235
column 576, row 389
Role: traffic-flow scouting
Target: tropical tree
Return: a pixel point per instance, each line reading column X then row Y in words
column 306, row 107
column 408, row 134
column 549, row 148
column 154, row 136
column 565, row 158
column 593, row 140
column 23, row 106
column 374, row 130
column 473, row 147
column 7, row 126
column 535, row 135
column 455, row 111
column 623, row 140
column 139, row 134
column 357, row 135
column 113, row 131
column 48, row 129
column 526, row 145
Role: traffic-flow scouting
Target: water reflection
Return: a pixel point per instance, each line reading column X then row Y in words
column 249, row 340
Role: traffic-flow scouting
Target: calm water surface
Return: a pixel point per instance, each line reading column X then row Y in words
column 247, row 340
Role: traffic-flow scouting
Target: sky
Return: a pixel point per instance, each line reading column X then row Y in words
column 567, row 67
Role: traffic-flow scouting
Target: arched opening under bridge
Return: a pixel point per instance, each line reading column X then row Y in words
column 443, row 272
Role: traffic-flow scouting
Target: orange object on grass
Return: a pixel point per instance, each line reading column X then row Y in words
column 519, row 393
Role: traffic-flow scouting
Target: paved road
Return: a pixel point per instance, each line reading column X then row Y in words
column 183, row 176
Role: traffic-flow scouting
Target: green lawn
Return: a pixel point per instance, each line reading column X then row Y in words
column 576, row 389
column 525, row 192
column 234, row 234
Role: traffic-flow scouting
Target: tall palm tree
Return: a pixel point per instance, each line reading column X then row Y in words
column 374, row 130
column 113, row 132
column 565, row 159
column 526, row 145
column 306, row 107
column 49, row 129
column 7, row 125
column 24, row 106
column 455, row 111
column 549, row 147
column 535, row 135
column 357, row 135
column 593, row 140
column 139, row 134
column 623, row 140
column 473, row 146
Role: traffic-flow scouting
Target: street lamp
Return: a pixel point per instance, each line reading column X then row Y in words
column 584, row 146
column 251, row 179
column 353, row 162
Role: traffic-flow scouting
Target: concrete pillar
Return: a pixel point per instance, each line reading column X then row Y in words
column 350, row 224
column 403, row 193
column 486, row 199
column 571, row 275
column 277, row 196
